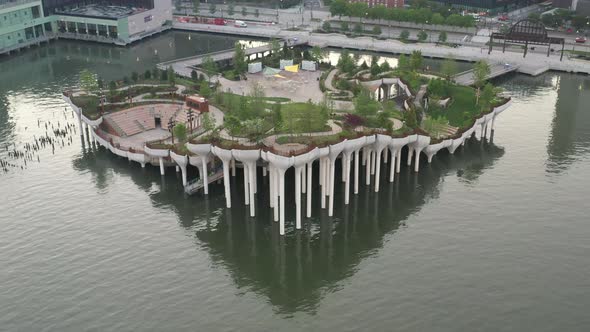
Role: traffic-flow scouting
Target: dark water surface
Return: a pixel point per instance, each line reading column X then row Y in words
column 493, row 238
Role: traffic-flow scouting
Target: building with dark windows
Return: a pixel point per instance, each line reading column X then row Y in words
column 27, row 22
column 386, row 3
column 493, row 6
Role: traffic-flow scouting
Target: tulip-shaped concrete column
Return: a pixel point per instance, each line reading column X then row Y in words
column 226, row 157
column 350, row 147
column 197, row 162
column 272, row 186
column 417, row 146
column 81, row 128
column 203, row 150
column 335, row 150
column 249, row 159
column 455, row 143
column 300, row 162
column 309, row 187
column 323, row 154
column 432, row 149
column 395, row 147
column 381, row 142
column 280, row 164
column 370, row 140
column 160, row 153
column 181, row 161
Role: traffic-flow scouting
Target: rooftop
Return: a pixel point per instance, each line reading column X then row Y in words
column 101, row 11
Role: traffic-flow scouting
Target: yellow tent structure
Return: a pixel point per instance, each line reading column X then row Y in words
column 293, row 69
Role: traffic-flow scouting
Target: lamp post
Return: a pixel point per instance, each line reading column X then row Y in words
column 171, row 124
column 190, row 115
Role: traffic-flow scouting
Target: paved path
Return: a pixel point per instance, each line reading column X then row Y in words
column 496, row 69
column 534, row 63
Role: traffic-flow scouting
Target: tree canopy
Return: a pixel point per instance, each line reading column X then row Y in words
column 88, row 81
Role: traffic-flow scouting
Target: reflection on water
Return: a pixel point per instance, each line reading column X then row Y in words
column 296, row 270
column 93, row 241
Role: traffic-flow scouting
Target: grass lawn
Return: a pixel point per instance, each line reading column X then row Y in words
column 302, row 118
column 462, row 109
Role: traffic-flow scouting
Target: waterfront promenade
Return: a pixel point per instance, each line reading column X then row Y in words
column 535, row 63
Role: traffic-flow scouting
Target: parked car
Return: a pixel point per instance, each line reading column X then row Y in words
column 240, row 24
column 581, row 40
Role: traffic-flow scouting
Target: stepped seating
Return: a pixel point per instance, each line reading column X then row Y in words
column 141, row 118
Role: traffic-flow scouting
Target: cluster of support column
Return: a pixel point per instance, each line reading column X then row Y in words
column 369, row 151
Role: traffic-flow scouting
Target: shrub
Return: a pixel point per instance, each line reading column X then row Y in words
column 353, row 120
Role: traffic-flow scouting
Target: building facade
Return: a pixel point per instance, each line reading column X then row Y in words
column 386, row 3
column 22, row 24
column 27, row 22
column 493, row 6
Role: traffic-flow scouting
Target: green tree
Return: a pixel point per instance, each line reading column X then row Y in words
column 155, row 73
column 134, row 77
column 196, row 4
column 244, row 11
column 277, row 117
column 208, row 122
column 230, row 9
column 365, row 105
column 358, row 9
column 358, row 28
column 180, row 132
column 442, row 37
column 194, row 75
column 404, row 35
column 437, row 19
column 481, row 70
column 88, row 81
column 385, row 67
column 375, row 68
column 212, row 8
column 256, row 12
column 240, row 64
column 345, row 63
column 147, row 75
column 449, row 68
column 326, row 26
column 257, row 100
column 317, row 53
column 376, row 30
column 410, row 118
column 209, row 66
column 112, row 88
column 403, row 63
column 487, row 96
column 163, row 75
column 339, row 8
column 232, row 124
column 171, row 75
column 422, row 35
column 416, row 60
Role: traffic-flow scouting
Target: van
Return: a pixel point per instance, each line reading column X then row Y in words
column 240, row 24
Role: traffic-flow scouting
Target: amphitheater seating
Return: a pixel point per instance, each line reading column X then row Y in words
column 141, row 118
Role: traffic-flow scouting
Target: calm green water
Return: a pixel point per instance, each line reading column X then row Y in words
column 494, row 238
